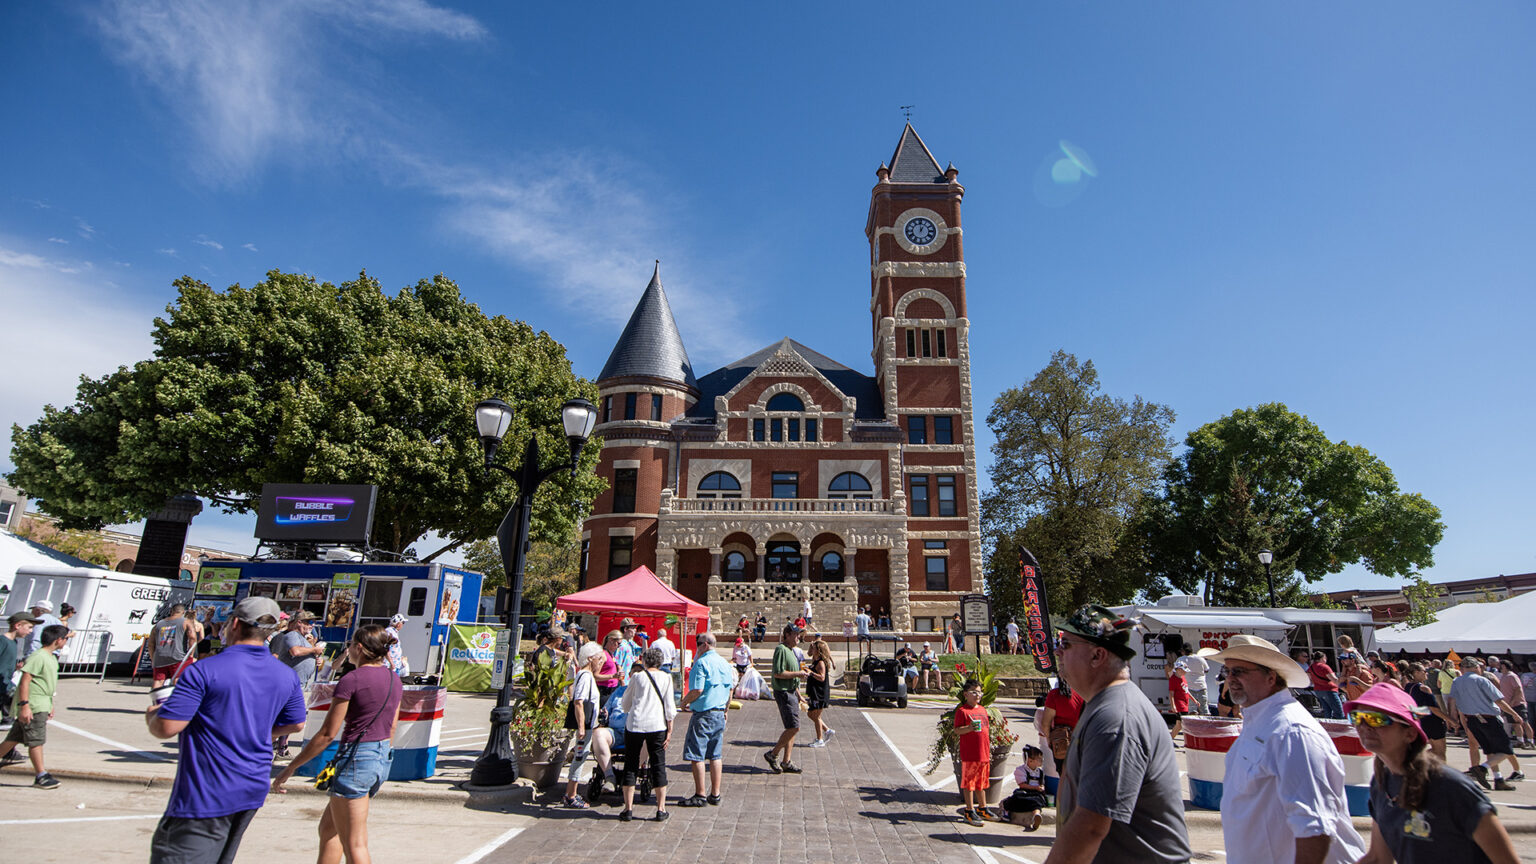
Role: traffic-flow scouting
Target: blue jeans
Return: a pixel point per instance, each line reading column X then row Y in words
column 1333, row 706
column 363, row 774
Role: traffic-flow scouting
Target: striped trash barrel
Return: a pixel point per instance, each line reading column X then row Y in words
column 416, row 735
column 1206, row 742
column 1358, row 765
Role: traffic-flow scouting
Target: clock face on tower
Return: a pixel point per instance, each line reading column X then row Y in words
column 920, row 231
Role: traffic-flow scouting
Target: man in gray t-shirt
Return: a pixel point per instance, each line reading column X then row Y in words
column 1119, row 798
column 297, row 648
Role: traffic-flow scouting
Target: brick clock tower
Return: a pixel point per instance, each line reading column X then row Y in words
column 922, row 359
column 785, row 474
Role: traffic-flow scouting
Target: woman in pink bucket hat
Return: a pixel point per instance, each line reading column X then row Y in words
column 1421, row 810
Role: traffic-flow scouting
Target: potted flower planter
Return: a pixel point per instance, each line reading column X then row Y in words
column 540, row 766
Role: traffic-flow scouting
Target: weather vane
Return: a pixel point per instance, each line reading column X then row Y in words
column 907, row 111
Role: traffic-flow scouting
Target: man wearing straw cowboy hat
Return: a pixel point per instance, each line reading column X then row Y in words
column 1282, row 794
column 1119, row 799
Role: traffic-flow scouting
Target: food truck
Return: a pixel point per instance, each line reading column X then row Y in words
column 1180, row 619
column 346, row 595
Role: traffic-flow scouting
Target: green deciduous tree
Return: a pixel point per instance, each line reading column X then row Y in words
column 1268, row 478
column 1071, row 466
column 550, row 571
column 295, row 380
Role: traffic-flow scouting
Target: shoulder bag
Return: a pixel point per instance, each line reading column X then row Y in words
column 572, row 707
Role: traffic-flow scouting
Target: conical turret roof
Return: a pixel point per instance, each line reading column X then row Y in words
column 912, row 162
column 650, row 346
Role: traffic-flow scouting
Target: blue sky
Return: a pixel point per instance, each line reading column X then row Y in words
column 1327, row 205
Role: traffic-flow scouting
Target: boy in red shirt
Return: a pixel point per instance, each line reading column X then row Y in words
column 975, row 753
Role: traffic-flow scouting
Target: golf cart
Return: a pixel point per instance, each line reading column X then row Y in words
column 880, row 678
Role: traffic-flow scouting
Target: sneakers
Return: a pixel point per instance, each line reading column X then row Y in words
column 1516, row 776
column 714, row 800
column 970, row 817
column 819, row 742
column 773, row 762
column 45, row 781
column 789, row 768
column 627, row 816
column 692, row 801
column 1034, row 824
column 1502, row 785
column 662, row 815
column 1480, row 774
column 12, row 758
column 828, row 736
column 574, row 802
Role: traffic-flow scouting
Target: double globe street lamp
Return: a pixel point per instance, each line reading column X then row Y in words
column 493, row 417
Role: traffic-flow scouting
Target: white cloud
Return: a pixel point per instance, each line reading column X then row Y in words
column 58, row 240
column 85, row 229
column 250, row 246
column 61, row 327
column 171, row 252
column 249, row 77
column 211, row 244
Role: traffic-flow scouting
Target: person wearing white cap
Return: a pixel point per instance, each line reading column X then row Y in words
column 1283, row 791
column 42, row 610
column 396, row 660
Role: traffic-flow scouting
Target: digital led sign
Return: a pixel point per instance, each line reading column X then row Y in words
column 321, row 513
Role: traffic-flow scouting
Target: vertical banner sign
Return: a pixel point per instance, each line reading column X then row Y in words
column 1037, row 613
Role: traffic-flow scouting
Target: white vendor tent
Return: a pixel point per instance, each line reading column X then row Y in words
column 1488, row 628
column 16, row 552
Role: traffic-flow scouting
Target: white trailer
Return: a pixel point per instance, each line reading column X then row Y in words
column 1179, row 620
column 122, row 604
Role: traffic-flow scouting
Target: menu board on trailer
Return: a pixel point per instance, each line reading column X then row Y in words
column 217, row 581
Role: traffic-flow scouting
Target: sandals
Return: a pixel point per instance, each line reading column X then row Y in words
column 574, row 802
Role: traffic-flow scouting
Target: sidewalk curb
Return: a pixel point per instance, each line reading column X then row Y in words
column 305, row 786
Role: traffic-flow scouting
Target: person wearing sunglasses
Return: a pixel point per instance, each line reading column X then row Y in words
column 1421, row 811
column 1283, row 788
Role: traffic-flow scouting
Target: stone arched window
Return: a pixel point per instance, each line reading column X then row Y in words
column 735, row 565
column 784, row 402
column 849, row 484
column 719, row 484
column 832, row 567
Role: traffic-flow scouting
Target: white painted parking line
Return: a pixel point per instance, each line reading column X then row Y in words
column 490, row 847
column 78, row 819
column 54, row 724
column 459, row 739
column 1009, row 855
column 911, row 769
column 457, row 731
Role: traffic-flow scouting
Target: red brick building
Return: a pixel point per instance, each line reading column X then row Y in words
column 785, row 473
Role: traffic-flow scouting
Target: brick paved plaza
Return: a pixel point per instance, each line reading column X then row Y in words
column 854, row 803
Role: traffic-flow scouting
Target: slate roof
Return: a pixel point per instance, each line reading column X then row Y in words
column 912, row 162
column 650, row 346
column 863, row 388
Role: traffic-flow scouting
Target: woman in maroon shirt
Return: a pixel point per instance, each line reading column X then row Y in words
column 364, row 710
column 1326, row 685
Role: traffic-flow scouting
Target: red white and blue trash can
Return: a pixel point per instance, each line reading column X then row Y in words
column 1207, row 740
column 416, row 735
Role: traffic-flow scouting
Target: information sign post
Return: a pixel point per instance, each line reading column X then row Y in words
column 976, row 618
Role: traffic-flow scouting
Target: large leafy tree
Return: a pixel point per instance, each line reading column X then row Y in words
column 551, row 570
column 1071, row 466
column 295, row 380
column 1268, row 478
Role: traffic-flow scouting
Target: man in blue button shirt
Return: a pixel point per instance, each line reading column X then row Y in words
column 226, row 711
column 710, row 680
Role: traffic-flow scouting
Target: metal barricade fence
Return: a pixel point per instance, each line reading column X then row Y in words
column 86, row 654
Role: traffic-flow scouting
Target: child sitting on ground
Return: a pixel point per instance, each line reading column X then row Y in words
column 975, row 753
column 1026, row 802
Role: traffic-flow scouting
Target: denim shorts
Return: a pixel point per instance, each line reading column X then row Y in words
column 363, row 774
column 706, row 736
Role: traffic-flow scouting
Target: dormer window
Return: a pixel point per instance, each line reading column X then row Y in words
column 785, row 402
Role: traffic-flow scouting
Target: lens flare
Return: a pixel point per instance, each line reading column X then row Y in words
column 1066, row 172
column 1079, row 158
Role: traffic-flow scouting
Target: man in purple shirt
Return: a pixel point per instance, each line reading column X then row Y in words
column 226, row 711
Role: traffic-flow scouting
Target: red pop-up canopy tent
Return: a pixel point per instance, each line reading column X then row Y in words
column 645, row 598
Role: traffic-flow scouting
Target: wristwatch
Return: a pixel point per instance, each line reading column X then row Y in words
column 21, row 703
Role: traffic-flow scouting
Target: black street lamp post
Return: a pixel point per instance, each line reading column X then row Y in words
column 1266, row 556
column 493, row 417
